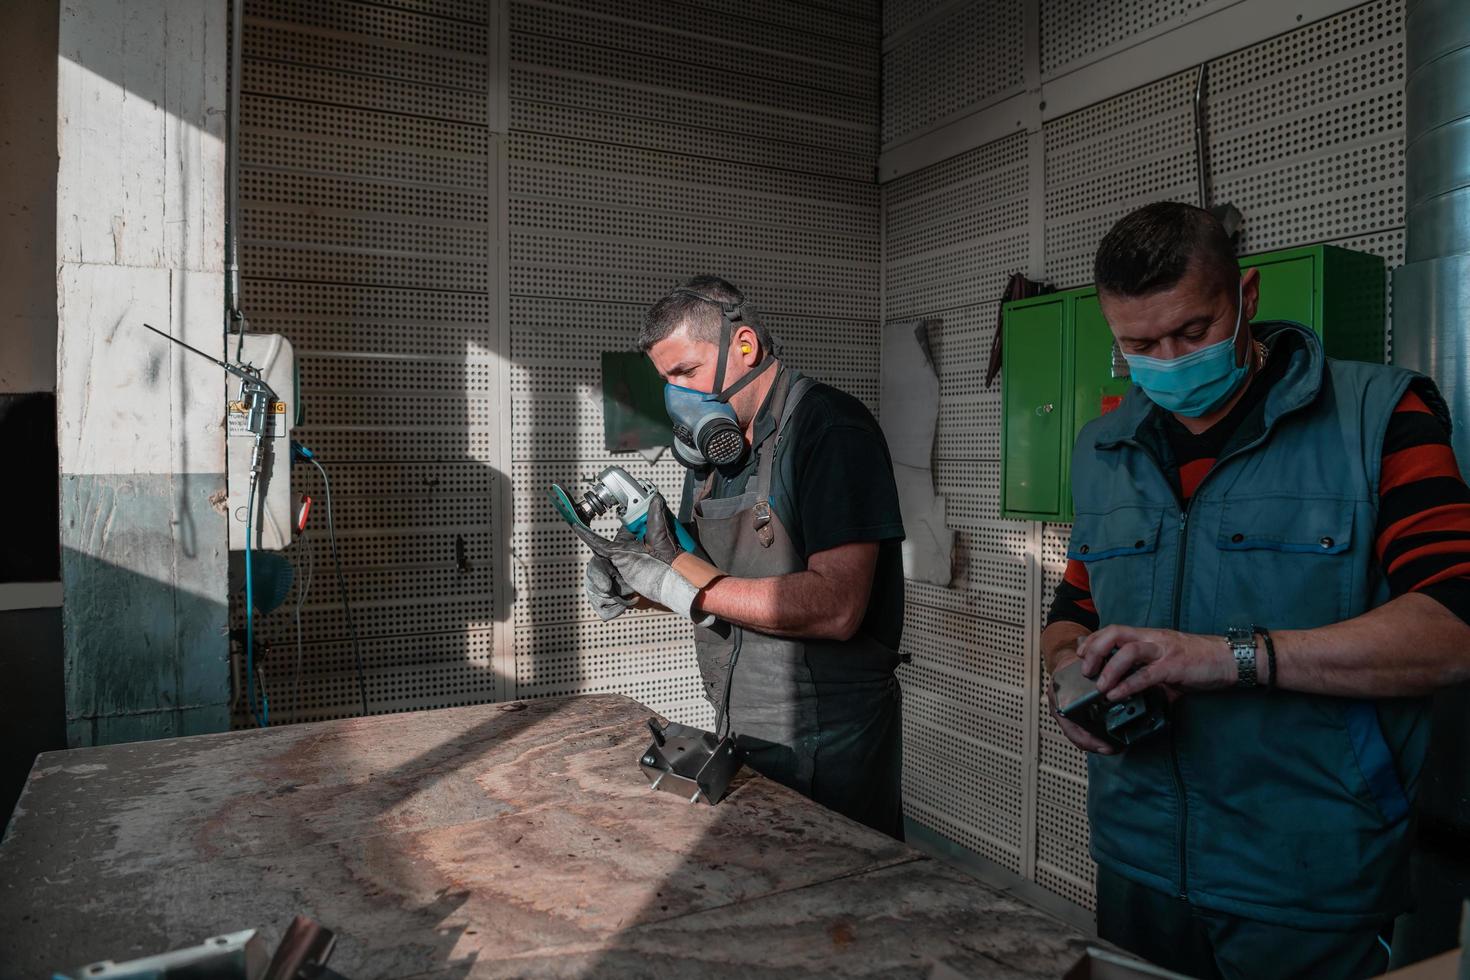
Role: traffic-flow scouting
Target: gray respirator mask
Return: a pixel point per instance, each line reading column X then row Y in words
column 707, row 432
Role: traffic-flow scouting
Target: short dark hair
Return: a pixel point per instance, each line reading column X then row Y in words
column 1152, row 248
column 681, row 307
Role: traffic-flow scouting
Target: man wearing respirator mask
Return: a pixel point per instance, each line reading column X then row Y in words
column 790, row 495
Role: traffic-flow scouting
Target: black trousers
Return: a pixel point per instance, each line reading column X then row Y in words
column 1172, row 933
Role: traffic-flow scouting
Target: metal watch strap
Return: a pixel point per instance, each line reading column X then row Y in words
column 1242, row 640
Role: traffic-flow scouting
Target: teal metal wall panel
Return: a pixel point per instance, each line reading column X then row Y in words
column 145, row 578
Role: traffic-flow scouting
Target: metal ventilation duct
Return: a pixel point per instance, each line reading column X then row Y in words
column 1431, row 292
column 1438, row 124
column 1431, row 301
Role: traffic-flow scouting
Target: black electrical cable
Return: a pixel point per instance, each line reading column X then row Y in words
column 342, row 587
column 722, row 724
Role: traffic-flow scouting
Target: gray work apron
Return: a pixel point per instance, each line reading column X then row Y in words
column 820, row 716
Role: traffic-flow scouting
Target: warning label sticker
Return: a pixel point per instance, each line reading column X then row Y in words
column 238, row 419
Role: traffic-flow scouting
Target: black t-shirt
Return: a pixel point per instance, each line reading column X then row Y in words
column 836, row 487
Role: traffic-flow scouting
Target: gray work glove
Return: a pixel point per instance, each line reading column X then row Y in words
column 647, row 566
column 609, row 595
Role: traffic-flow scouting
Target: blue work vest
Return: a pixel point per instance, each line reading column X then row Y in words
column 1272, row 805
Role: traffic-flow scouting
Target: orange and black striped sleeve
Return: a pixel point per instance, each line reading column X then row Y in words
column 1422, row 540
column 1423, row 533
column 1072, row 602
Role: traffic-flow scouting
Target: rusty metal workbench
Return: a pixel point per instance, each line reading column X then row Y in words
column 500, row 840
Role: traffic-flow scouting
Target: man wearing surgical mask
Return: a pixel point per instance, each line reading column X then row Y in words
column 1280, row 542
column 791, row 497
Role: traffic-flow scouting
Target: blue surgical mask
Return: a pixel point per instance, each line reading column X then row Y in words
column 1197, row 383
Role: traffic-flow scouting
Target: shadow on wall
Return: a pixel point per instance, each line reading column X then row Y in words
column 133, row 664
column 386, row 291
column 424, row 573
column 558, row 435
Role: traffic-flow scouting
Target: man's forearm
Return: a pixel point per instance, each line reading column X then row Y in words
column 802, row 604
column 1059, row 640
column 1407, row 647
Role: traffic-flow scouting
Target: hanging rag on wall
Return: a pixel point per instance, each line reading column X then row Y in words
column 1019, row 287
column 910, row 418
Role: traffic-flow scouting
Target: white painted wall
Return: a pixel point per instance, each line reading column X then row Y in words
column 141, row 101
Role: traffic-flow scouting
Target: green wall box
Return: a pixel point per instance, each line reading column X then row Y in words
column 1057, row 372
column 633, row 413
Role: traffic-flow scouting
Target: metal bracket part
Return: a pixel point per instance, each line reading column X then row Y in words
column 302, row 955
column 1128, row 721
column 690, row 762
column 234, row 956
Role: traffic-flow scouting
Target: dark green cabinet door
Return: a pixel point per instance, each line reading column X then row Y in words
column 1031, row 474
column 1093, row 385
column 1288, row 288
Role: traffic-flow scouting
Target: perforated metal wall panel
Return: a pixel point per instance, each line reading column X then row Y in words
column 637, row 158
column 953, row 233
column 965, row 58
column 653, row 74
column 901, row 14
column 956, row 231
column 1106, row 160
column 1078, row 31
column 365, row 234
column 373, row 164
column 1063, row 863
column 1304, row 134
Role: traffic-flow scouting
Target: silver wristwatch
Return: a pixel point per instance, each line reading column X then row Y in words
column 1242, row 640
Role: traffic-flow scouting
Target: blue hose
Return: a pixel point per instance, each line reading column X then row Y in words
column 260, row 721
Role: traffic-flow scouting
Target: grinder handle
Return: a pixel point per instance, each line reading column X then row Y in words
column 639, row 525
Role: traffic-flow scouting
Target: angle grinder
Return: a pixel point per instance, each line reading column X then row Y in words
column 618, row 491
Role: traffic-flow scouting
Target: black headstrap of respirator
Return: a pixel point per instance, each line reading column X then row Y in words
column 739, row 312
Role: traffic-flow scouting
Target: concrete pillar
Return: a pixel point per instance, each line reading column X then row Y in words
column 139, row 237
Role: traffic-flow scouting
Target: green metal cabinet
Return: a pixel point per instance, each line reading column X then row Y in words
column 1058, row 369
column 1031, row 410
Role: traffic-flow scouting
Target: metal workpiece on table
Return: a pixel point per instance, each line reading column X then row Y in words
column 514, row 839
